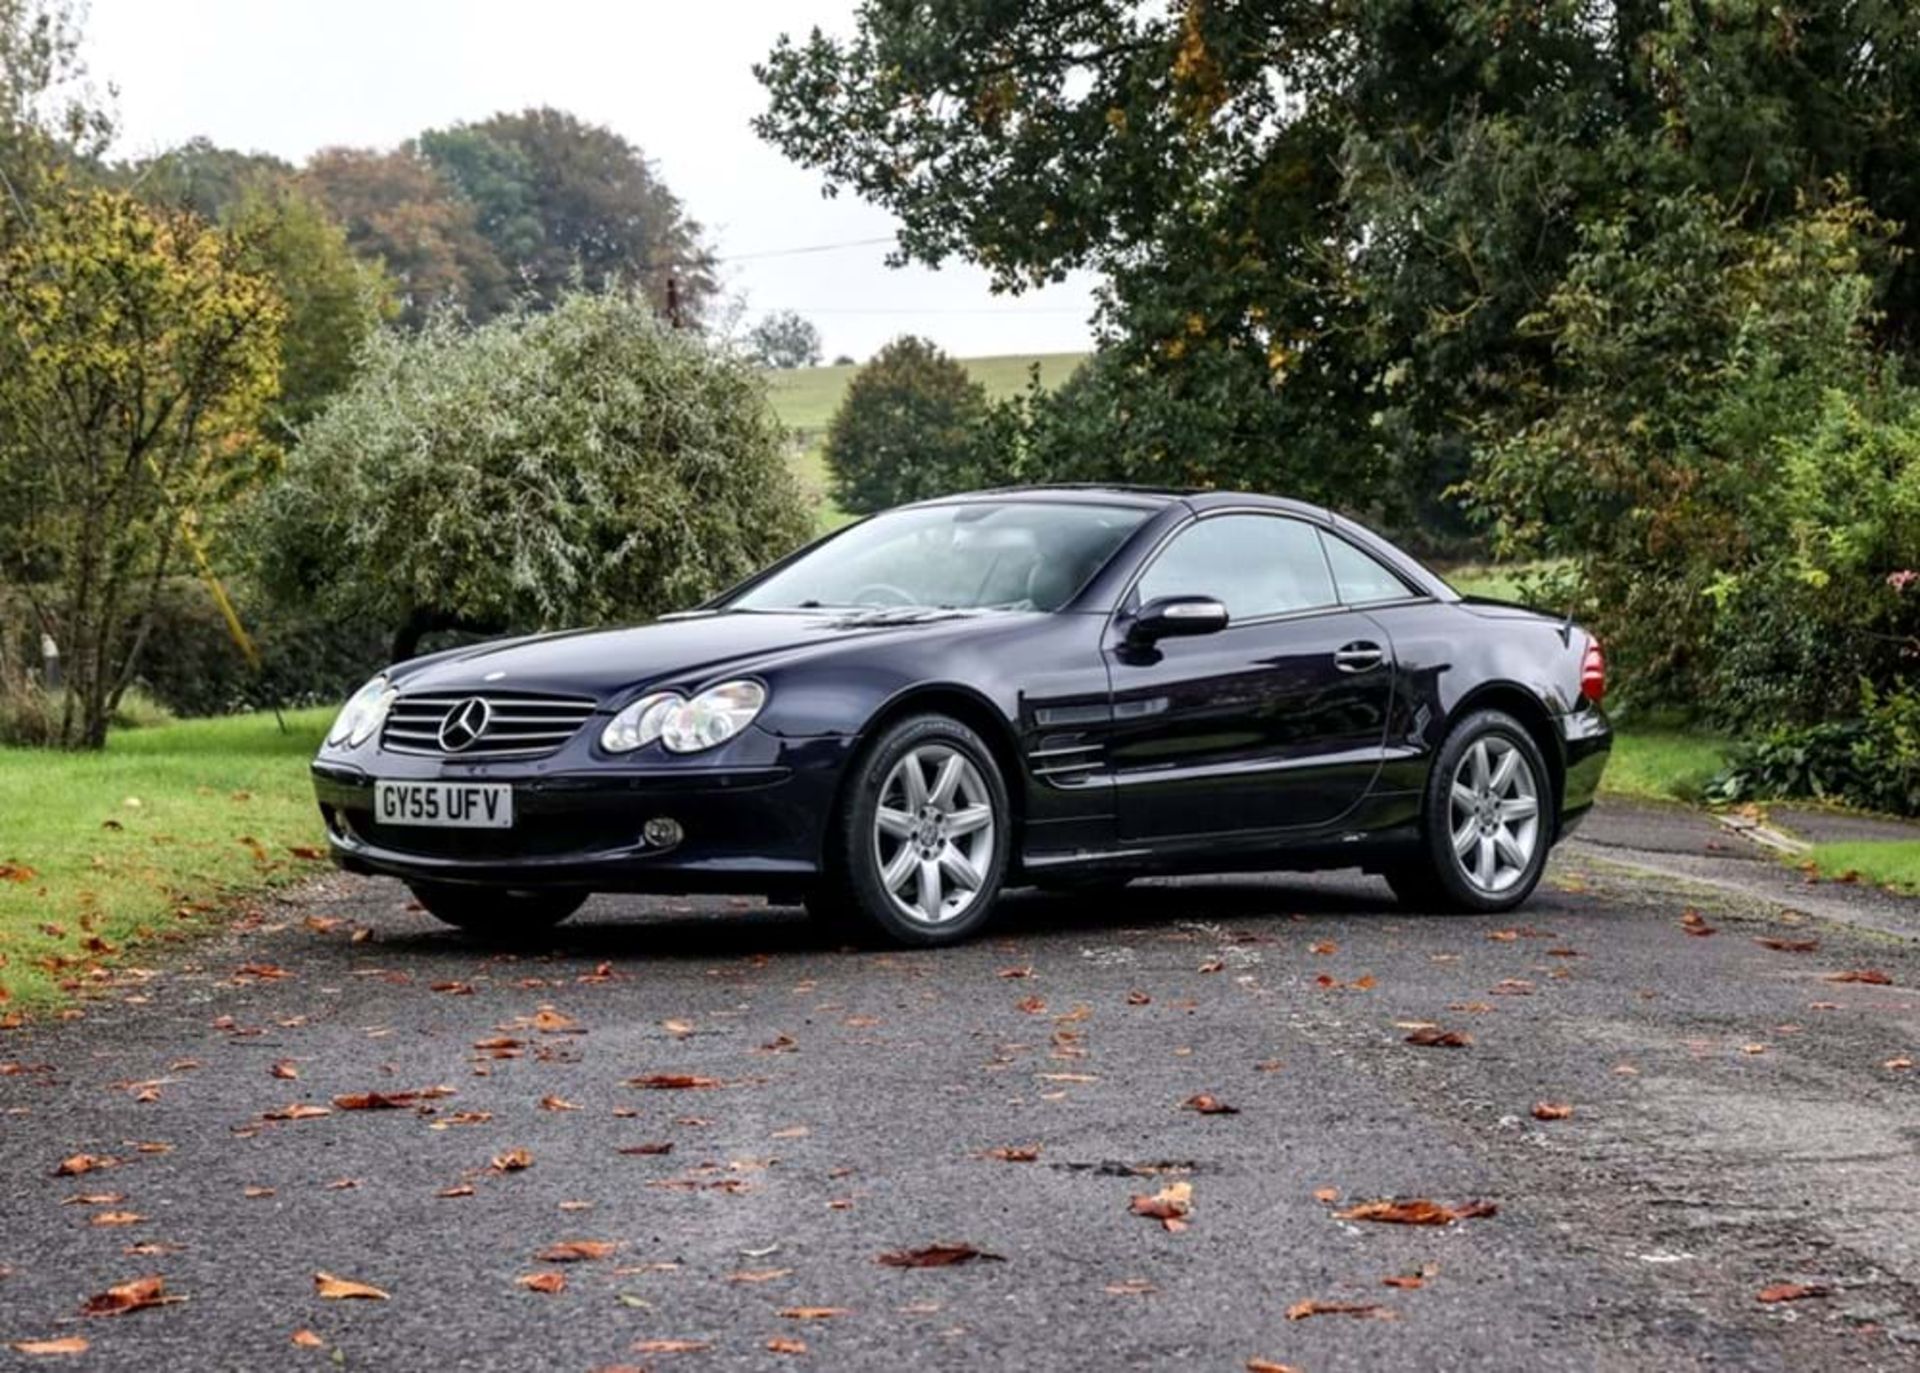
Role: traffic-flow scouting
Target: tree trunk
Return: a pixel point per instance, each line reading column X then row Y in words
column 424, row 621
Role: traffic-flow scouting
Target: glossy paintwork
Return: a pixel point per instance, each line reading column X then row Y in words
column 1243, row 748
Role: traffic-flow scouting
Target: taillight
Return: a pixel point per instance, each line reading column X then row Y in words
column 1593, row 672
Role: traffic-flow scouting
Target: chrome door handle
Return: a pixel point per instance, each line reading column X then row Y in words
column 1359, row 656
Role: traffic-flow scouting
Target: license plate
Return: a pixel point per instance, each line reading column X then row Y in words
column 445, row 805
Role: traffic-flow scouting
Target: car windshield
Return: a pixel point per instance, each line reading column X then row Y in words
column 973, row 555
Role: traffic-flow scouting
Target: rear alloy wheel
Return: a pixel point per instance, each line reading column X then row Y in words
column 1488, row 821
column 497, row 912
column 919, row 849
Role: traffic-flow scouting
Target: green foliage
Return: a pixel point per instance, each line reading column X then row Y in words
column 1715, row 446
column 785, row 339
column 334, row 301
column 141, row 353
column 576, row 467
column 1324, row 227
column 912, row 425
column 566, row 204
column 48, row 116
column 1871, row 761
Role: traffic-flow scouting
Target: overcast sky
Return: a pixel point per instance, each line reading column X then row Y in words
column 290, row 76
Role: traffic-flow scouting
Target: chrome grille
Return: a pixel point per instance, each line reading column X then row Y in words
column 520, row 724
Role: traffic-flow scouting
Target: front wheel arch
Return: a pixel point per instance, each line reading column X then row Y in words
column 971, row 709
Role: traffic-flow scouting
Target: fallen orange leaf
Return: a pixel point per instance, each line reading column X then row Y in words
column 575, row 1251
column 129, row 1296
column 1171, row 1205
column 331, row 1288
column 1300, row 1310
column 936, row 1256
column 1551, row 1110
column 543, row 1282
column 66, row 1344
column 1014, row 1153
column 1790, row 1291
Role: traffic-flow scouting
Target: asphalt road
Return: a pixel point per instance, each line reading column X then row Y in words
column 1739, row 1121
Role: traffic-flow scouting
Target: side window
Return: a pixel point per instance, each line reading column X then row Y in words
column 1253, row 564
column 1360, row 576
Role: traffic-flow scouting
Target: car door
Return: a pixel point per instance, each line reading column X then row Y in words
column 1276, row 721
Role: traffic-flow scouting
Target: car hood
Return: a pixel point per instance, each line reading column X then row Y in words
column 684, row 651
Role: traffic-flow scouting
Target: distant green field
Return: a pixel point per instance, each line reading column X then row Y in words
column 806, row 398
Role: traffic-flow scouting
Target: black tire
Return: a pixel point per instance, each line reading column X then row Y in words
column 496, row 912
column 855, row 896
column 1436, row 878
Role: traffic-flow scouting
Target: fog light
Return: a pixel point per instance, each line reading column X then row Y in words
column 662, row 833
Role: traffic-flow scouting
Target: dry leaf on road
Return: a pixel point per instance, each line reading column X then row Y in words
column 1172, row 1205
column 1790, row 1291
column 1416, row 1211
column 331, row 1288
column 66, row 1344
column 129, row 1296
column 936, row 1256
column 1013, row 1153
column 1300, row 1310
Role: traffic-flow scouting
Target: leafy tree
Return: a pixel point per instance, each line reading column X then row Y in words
column 140, row 353
column 785, row 338
column 1323, row 226
column 1701, row 455
column 202, row 176
column 47, row 115
column 565, row 203
column 334, row 300
column 398, row 210
column 584, row 465
column 334, row 297
column 912, row 425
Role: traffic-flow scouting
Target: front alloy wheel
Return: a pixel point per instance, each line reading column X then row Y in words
column 933, row 834
column 1489, row 821
column 918, row 850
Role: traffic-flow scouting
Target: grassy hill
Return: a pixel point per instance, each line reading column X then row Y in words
column 807, row 397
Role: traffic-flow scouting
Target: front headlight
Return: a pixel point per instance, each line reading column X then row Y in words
column 362, row 714
column 712, row 717
column 639, row 724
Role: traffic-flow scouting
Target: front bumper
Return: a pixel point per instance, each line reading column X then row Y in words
column 751, row 823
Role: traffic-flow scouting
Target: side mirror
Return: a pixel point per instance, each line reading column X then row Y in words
column 1172, row 617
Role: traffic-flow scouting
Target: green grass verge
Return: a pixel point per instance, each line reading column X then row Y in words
column 1663, row 765
column 1885, row 863
column 88, row 872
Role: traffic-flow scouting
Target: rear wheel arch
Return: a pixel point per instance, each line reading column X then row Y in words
column 1511, row 698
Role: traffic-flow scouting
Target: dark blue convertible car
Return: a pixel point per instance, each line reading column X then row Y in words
column 1051, row 686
